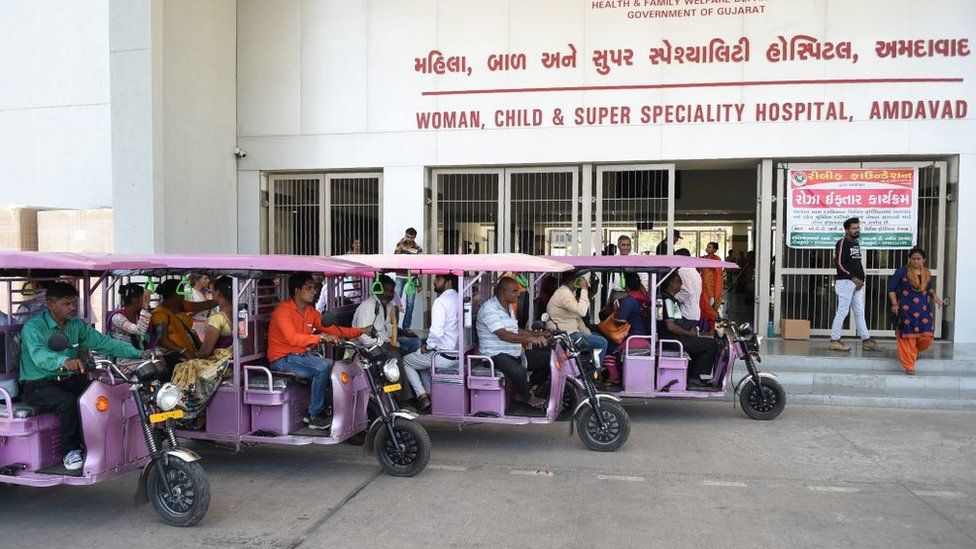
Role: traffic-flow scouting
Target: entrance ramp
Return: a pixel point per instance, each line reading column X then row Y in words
column 813, row 374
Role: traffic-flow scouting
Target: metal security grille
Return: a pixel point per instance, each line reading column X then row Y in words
column 353, row 213
column 322, row 214
column 543, row 211
column 636, row 200
column 805, row 278
column 466, row 208
column 295, row 205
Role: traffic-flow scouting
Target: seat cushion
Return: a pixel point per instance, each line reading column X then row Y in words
column 674, row 353
column 21, row 410
column 484, row 371
column 260, row 382
column 448, row 370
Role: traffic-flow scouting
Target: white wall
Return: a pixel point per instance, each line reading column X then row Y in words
column 331, row 85
column 55, row 140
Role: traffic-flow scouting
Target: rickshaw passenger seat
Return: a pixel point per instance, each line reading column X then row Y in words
column 21, row 410
column 675, row 353
column 484, row 371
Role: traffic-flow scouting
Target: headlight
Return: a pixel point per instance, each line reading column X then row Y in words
column 391, row 371
column 167, row 397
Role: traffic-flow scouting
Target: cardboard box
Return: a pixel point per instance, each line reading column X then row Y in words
column 18, row 229
column 796, row 329
column 79, row 231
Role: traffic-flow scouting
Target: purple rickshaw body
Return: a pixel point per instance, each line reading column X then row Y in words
column 472, row 391
column 658, row 367
column 113, row 437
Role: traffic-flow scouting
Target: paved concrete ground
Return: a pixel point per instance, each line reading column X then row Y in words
column 692, row 475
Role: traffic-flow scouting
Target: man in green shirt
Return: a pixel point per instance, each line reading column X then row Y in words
column 53, row 381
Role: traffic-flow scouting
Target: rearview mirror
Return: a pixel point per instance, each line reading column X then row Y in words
column 546, row 317
column 328, row 319
column 58, row 342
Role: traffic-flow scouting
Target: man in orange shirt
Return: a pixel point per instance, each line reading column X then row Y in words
column 290, row 338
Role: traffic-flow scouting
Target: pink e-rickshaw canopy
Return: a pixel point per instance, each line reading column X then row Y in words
column 459, row 264
column 641, row 262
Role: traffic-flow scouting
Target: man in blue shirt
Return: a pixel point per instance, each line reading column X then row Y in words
column 53, row 381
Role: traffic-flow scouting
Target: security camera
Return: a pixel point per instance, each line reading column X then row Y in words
column 239, row 152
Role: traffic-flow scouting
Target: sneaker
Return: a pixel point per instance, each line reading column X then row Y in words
column 870, row 345
column 838, row 345
column 74, row 460
column 319, row 422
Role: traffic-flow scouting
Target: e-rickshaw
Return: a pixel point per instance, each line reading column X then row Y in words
column 257, row 404
column 658, row 368
column 126, row 412
column 468, row 389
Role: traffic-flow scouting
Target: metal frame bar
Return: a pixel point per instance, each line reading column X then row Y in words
column 575, row 208
column 603, row 168
column 433, row 228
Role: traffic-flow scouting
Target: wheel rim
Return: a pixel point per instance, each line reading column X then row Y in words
column 410, row 444
column 606, row 435
column 182, row 494
column 763, row 399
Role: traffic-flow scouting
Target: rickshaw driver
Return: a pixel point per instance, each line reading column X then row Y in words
column 702, row 350
column 501, row 339
column 290, row 336
column 53, row 381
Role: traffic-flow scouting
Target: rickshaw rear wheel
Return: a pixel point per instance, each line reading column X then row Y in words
column 415, row 454
column 764, row 403
column 613, row 436
column 191, row 498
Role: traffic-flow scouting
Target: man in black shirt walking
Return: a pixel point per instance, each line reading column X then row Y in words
column 849, row 287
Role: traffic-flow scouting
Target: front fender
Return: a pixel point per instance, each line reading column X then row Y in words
column 142, row 491
column 762, row 375
column 586, row 402
column 378, row 423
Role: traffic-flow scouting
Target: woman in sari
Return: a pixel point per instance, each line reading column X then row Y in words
column 713, row 286
column 911, row 295
column 200, row 377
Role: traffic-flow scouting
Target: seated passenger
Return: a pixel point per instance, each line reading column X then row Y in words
column 199, row 378
column 566, row 313
column 443, row 336
column 502, row 340
column 290, row 338
column 219, row 333
column 376, row 311
column 171, row 318
column 689, row 298
column 200, row 284
column 130, row 322
column 53, row 381
column 701, row 349
column 633, row 308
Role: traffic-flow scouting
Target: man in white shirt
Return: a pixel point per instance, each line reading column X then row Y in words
column 689, row 297
column 443, row 336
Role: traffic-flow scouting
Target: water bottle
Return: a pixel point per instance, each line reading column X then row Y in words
column 769, row 329
column 242, row 318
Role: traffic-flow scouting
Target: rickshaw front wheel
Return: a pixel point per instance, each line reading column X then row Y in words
column 189, row 501
column 766, row 402
column 411, row 456
column 614, row 433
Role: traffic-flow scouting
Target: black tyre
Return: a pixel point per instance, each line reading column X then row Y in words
column 765, row 402
column 414, row 453
column 190, row 499
column 610, row 438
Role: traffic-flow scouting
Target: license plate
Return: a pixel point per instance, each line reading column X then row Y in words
column 392, row 387
column 163, row 416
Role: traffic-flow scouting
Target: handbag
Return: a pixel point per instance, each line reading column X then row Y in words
column 614, row 331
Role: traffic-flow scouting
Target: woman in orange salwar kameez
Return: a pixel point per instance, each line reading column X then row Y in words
column 713, row 287
column 909, row 290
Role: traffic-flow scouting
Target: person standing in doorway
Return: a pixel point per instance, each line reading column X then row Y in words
column 407, row 245
column 913, row 299
column 663, row 248
column 849, row 287
column 713, row 287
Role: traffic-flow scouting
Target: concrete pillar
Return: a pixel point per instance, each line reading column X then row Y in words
column 174, row 124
